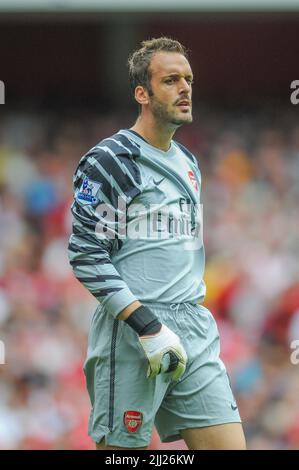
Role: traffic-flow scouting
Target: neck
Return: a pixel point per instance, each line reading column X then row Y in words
column 154, row 133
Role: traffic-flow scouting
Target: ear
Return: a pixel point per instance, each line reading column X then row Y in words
column 141, row 95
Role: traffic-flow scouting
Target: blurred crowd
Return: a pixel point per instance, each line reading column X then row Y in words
column 250, row 189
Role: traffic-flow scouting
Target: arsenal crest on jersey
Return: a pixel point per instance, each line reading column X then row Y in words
column 133, row 420
column 192, row 179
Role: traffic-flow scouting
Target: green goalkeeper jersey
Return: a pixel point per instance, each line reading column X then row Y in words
column 137, row 223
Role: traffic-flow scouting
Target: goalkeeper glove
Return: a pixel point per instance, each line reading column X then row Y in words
column 161, row 346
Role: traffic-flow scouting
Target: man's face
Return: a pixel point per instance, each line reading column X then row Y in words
column 171, row 82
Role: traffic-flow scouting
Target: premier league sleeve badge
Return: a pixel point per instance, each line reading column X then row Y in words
column 87, row 193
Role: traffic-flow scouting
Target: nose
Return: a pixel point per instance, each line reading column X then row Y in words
column 185, row 87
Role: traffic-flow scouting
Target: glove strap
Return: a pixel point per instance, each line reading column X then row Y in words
column 143, row 321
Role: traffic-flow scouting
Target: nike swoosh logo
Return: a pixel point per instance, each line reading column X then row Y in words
column 233, row 407
column 158, row 181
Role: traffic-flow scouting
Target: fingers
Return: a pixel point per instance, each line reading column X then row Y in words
column 153, row 370
column 173, row 361
column 176, row 364
column 178, row 371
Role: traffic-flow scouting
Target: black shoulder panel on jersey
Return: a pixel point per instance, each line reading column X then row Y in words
column 187, row 152
column 113, row 161
column 126, row 151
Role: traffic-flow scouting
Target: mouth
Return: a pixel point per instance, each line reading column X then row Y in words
column 184, row 104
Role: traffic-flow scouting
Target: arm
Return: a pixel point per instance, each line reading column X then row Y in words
column 97, row 187
column 124, row 314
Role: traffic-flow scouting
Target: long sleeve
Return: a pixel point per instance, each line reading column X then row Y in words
column 106, row 180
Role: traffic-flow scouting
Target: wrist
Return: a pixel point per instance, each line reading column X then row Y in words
column 126, row 312
column 143, row 321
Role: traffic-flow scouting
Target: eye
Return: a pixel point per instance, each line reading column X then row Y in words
column 169, row 81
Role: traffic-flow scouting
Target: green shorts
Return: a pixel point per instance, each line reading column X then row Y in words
column 126, row 405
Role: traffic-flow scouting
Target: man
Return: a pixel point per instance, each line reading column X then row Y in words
column 153, row 350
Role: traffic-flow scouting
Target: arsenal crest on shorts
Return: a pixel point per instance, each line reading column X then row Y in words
column 133, row 420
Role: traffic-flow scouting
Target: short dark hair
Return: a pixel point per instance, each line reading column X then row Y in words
column 139, row 61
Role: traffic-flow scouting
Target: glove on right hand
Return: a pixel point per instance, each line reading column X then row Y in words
column 158, row 345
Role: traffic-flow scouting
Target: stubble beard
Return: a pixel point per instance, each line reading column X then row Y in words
column 165, row 117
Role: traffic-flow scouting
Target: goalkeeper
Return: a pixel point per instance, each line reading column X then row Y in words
column 153, row 349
